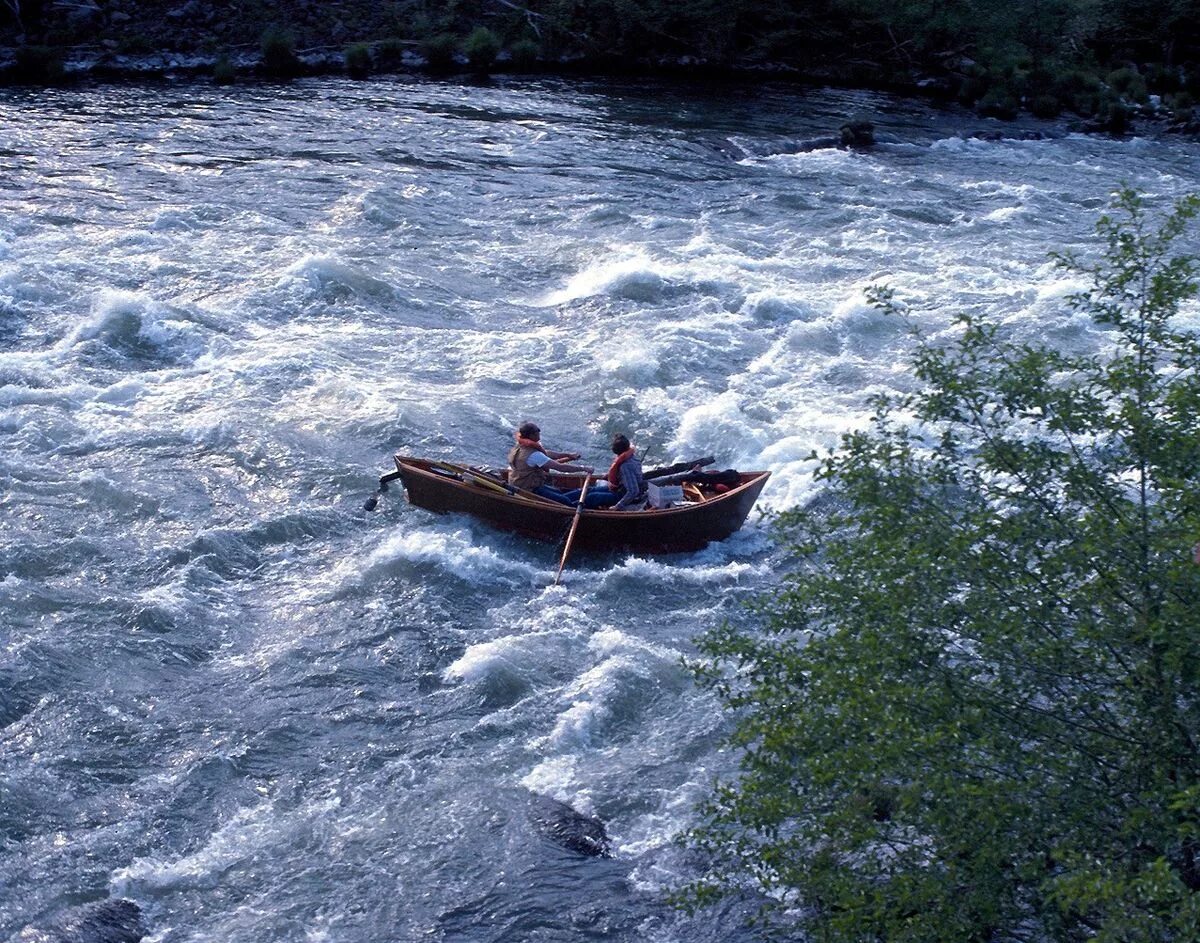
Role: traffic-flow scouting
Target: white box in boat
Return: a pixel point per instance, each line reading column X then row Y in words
column 663, row 496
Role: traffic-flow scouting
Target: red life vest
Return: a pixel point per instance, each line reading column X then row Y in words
column 614, row 471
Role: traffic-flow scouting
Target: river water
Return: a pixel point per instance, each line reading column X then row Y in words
column 227, row 693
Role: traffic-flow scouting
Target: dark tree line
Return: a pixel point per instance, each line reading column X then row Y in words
column 1086, row 56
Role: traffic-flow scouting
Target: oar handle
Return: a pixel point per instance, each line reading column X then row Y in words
column 373, row 501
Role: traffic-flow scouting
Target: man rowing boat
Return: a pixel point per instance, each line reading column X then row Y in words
column 530, row 466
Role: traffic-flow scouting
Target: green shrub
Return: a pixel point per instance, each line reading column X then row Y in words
column 1163, row 79
column 224, row 72
column 423, row 26
column 38, row 64
column 279, row 54
column 1182, row 106
column 440, row 50
column 1078, row 90
column 523, row 54
column 785, row 45
column 999, row 102
column 389, row 55
column 1115, row 118
column 1075, row 82
column 971, row 714
column 358, row 60
column 972, row 88
column 1129, row 84
column 1045, row 106
column 482, row 47
column 135, row 44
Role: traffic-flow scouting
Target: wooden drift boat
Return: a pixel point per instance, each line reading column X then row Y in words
column 704, row 517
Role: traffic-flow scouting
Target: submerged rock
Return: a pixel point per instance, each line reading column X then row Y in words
column 109, row 921
column 1010, row 134
column 857, row 134
column 569, row 828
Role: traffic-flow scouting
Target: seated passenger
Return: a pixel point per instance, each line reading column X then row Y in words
column 530, row 465
column 625, row 478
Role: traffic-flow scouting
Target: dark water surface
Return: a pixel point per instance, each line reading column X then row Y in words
column 232, row 697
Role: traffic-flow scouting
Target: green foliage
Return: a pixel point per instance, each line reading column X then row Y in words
column 999, row 102
column 481, row 48
column 1182, row 106
column 135, row 44
column 1161, row 79
column 1024, row 46
column 389, row 54
column 224, row 72
column 973, row 712
column 279, row 54
column 1045, row 106
column 1114, row 117
column 524, row 54
column 358, row 60
column 1079, row 90
column 1129, row 84
column 440, row 50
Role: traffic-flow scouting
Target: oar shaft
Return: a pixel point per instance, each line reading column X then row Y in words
column 574, row 525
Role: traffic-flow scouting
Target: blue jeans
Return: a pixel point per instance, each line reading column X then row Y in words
column 599, row 496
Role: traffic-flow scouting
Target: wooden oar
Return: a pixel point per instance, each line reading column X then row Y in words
column 574, row 524
column 678, row 467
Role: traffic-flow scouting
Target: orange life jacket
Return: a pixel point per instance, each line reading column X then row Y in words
column 614, row 470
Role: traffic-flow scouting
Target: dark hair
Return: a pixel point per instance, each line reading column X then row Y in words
column 620, row 443
column 529, row 430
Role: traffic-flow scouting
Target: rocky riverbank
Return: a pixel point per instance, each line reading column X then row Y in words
column 55, row 41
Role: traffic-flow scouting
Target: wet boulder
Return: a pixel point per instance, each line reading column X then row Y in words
column 1013, row 134
column 569, row 828
column 857, row 134
column 109, row 921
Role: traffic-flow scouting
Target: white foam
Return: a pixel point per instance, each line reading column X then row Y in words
column 123, row 392
column 863, row 324
column 114, row 314
column 323, row 271
column 616, row 687
column 520, row 654
column 632, row 365
column 779, row 304
column 631, row 274
column 249, row 832
column 1003, row 214
column 660, row 827
column 122, row 318
column 456, row 551
column 642, row 569
column 716, row 425
column 557, row 777
column 819, row 337
column 816, row 161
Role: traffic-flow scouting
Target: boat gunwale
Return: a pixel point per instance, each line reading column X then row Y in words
column 524, row 500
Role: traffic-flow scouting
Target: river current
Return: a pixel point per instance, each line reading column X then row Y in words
column 230, row 695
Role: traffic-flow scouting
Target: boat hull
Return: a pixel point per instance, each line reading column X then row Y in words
column 688, row 527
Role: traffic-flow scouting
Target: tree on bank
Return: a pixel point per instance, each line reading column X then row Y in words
column 973, row 713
